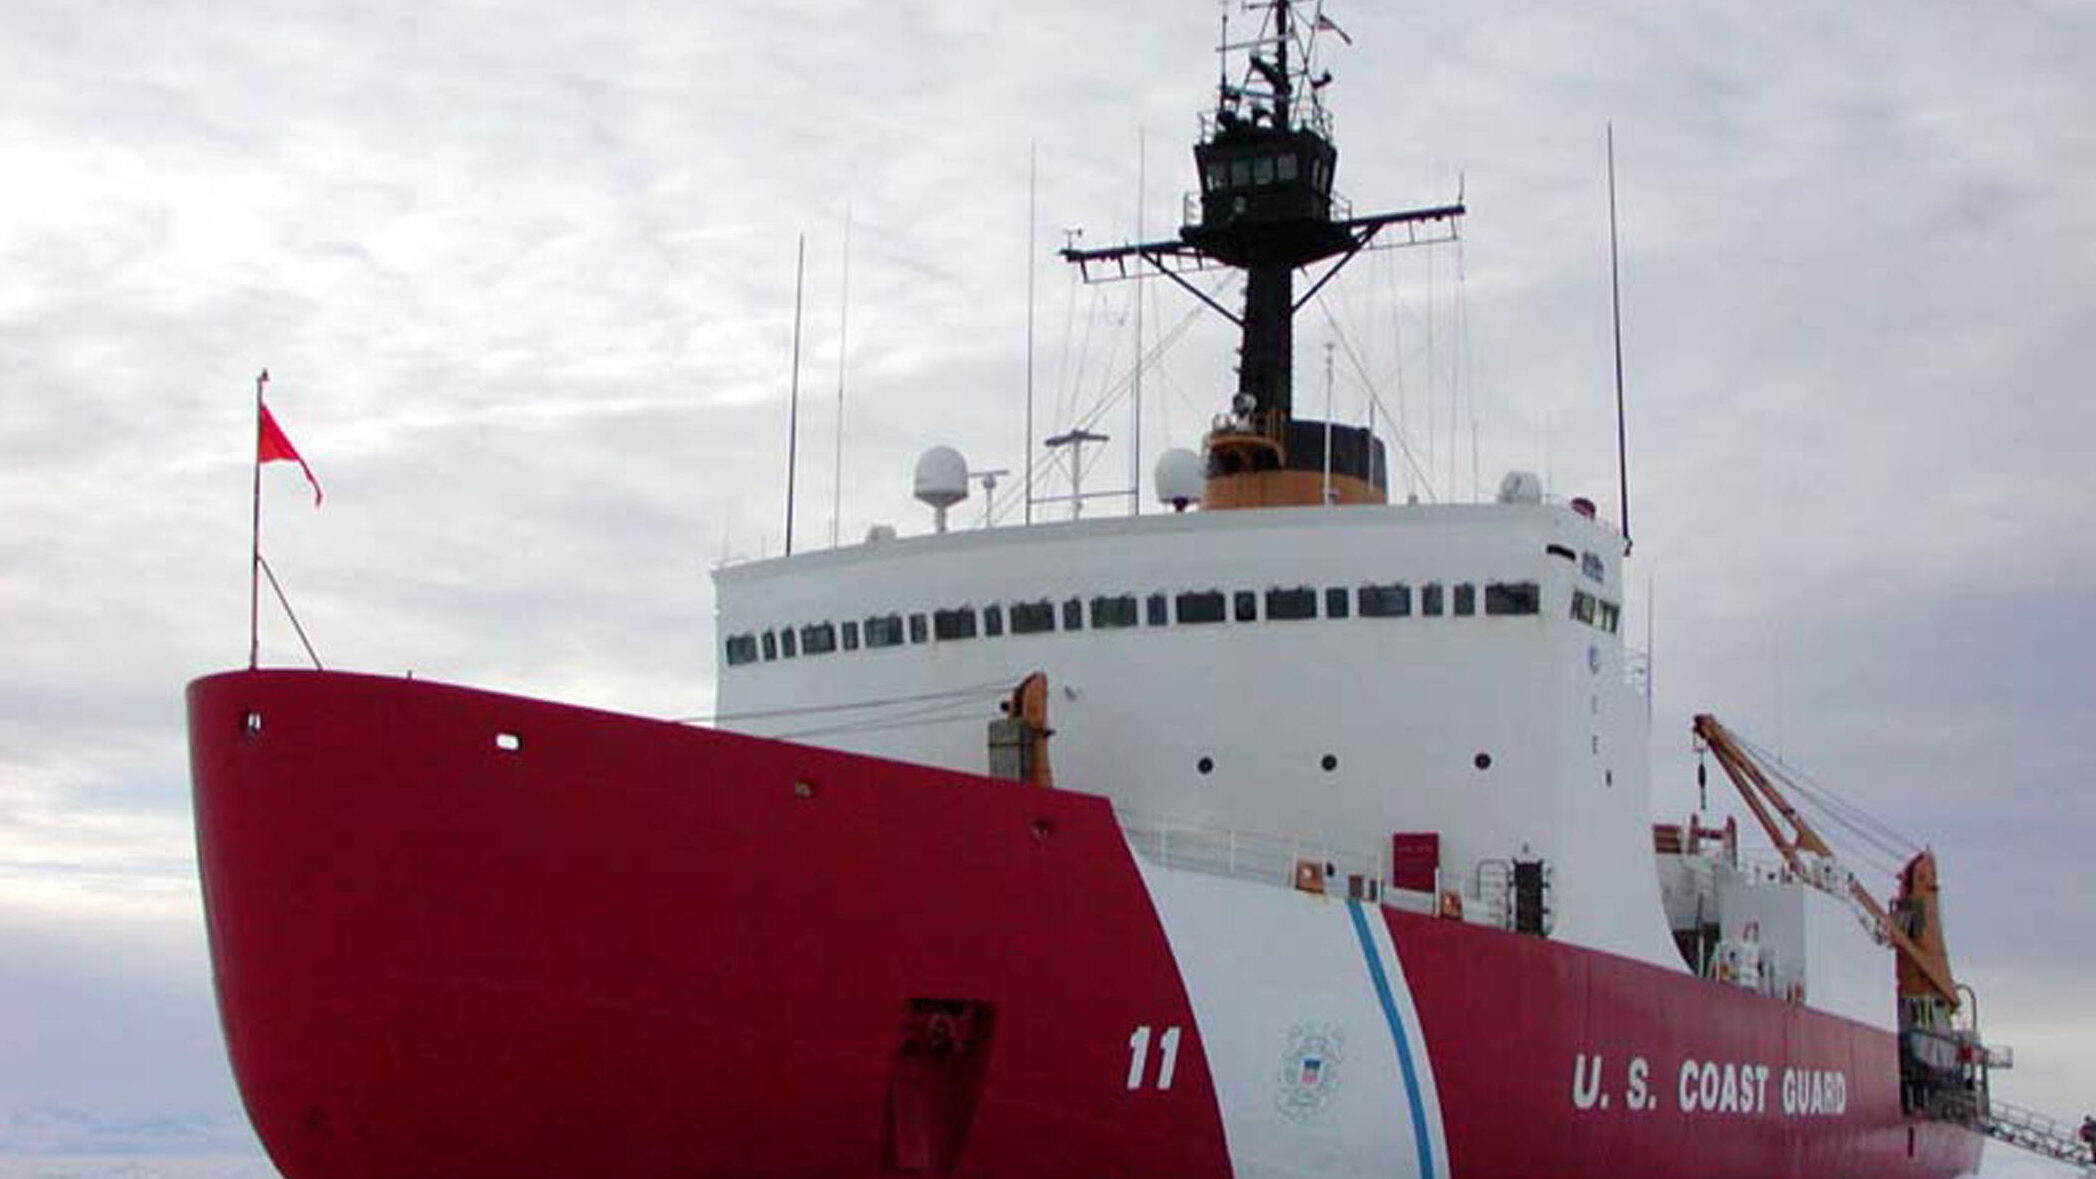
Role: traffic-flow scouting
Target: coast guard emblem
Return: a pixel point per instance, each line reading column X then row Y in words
column 1309, row 1070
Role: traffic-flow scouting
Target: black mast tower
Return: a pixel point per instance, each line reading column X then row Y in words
column 1266, row 163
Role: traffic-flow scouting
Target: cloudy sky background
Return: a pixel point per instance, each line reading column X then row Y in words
column 523, row 276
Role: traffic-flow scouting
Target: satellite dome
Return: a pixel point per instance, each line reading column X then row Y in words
column 1521, row 487
column 942, row 477
column 1180, row 477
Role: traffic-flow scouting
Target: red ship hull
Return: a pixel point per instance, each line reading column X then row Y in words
column 626, row 947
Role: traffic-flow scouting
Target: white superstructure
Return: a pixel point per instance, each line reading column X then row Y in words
column 1333, row 675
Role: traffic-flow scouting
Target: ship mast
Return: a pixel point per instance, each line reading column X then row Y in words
column 1266, row 163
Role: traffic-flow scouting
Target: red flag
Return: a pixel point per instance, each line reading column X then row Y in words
column 273, row 445
column 1330, row 26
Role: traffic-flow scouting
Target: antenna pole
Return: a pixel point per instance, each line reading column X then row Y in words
column 1615, row 301
column 1033, row 157
column 254, row 568
column 1135, row 448
column 793, row 397
column 843, row 321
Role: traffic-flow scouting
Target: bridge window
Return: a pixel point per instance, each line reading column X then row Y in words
column 818, row 639
column 1513, row 597
column 1287, row 604
column 741, row 649
column 1387, row 601
column 1200, row 606
column 1240, row 173
column 1466, row 599
column 993, row 621
column 1583, row 607
column 884, row 630
column 1608, row 616
column 1030, row 618
column 958, row 623
column 1263, row 170
column 1073, row 614
column 1284, row 167
column 786, row 643
column 1432, row 599
column 1157, row 610
column 1245, row 606
column 771, row 646
column 1336, row 602
column 919, row 631
column 851, row 636
column 1113, row 612
column 1591, row 565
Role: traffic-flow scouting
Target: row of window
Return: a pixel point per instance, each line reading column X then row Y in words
column 1260, row 171
column 1122, row 611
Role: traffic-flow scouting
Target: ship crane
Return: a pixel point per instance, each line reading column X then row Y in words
column 1924, row 965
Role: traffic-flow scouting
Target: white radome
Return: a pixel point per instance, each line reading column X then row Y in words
column 1179, row 478
column 942, row 477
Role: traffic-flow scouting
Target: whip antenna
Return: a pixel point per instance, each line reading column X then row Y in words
column 1615, row 307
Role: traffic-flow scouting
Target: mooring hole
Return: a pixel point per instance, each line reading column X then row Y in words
column 508, row 742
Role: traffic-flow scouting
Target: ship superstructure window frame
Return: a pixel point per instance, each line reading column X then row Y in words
column 1198, row 607
column 818, row 638
column 1291, row 603
column 1337, row 601
column 1388, row 600
column 1114, row 612
column 1033, row 618
column 954, row 624
column 1582, row 607
column 884, row 630
column 1129, row 610
column 1506, row 599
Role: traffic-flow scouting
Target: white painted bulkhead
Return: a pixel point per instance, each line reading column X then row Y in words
column 1511, row 736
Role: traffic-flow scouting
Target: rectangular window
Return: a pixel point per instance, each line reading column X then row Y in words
column 1386, row 601
column 1513, row 597
column 1285, row 604
column 1240, row 173
column 1336, row 602
column 1157, row 610
column 1200, row 606
column 1590, row 564
column 771, row 645
column 958, row 623
column 1073, row 614
column 786, row 643
column 1466, row 599
column 1583, row 607
column 993, row 621
column 1215, row 175
column 884, row 630
column 741, row 649
column 1032, row 618
column 1284, row 167
column 1263, row 170
column 1610, row 616
column 1113, row 612
column 818, row 639
column 851, row 636
column 1430, row 599
column 919, row 631
column 1245, row 606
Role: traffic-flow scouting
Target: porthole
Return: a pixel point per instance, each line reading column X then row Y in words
column 1483, row 761
column 1329, row 762
column 1205, row 765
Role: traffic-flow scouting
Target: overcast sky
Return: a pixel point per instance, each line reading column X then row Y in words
column 523, row 276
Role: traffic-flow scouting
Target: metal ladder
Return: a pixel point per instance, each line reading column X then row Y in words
column 2031, row 1131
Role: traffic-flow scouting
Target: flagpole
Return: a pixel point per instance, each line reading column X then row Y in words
column 254, row 568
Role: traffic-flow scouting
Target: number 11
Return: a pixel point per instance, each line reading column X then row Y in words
column 1139, row 1056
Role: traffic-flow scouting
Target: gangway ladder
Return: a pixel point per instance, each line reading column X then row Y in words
column 2034, row 1132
